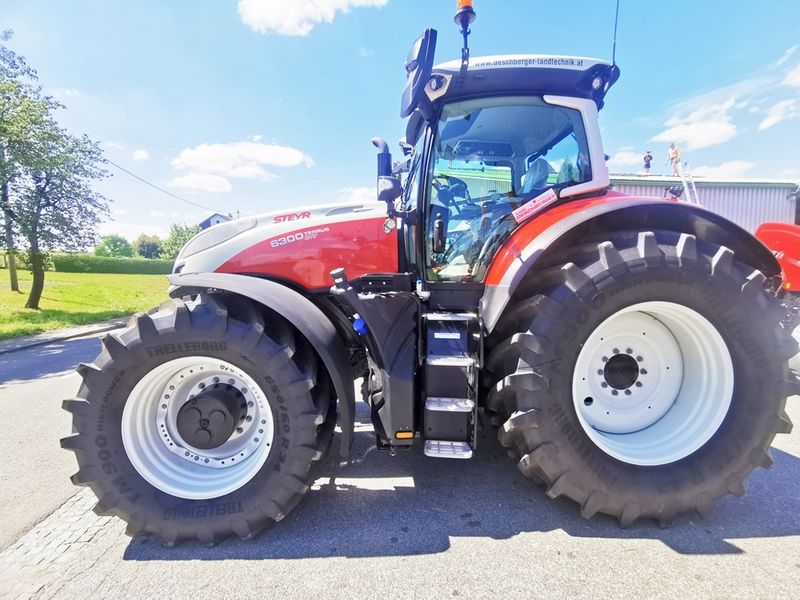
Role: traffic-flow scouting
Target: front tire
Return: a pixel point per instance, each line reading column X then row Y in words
column 617, row 440
column 194, row 423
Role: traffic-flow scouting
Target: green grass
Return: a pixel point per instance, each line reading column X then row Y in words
column 76, row 299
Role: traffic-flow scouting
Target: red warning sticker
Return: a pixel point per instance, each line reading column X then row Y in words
column 535, row 205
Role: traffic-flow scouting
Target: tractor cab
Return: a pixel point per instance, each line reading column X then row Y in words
column 495, row 140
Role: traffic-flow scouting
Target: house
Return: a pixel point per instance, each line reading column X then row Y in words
column 214, row 219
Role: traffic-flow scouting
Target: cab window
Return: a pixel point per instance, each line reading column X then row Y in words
column 491, row 156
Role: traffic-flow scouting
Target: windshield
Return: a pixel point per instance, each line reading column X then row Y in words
column 493, row 155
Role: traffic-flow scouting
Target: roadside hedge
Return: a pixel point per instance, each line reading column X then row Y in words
column 89, row 263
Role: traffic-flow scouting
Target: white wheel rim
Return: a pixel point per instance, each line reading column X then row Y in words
column 682, row 389
column 164, row 459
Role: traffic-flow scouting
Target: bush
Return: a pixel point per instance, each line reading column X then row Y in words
column 88, row 263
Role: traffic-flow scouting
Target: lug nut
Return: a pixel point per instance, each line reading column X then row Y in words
column 639, row 358
column 202, row 385
column 250, row 404
column 616, row 350
column 638, row 384
column 599, row 371
column 643, row 371
column 614, row 393
column 604, row 384
column 627, row 392
column 248, row 418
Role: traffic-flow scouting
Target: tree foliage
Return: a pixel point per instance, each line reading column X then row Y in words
column 179, row 234
column 46, row 174
column 148, row 246
column 114, row 246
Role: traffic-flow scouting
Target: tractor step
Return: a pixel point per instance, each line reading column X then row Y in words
column 450, row 361
column 459, row 405
column 444, row 449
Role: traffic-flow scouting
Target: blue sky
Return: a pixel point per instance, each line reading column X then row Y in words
column 255, row 105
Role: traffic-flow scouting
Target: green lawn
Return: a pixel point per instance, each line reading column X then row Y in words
column 75, row 299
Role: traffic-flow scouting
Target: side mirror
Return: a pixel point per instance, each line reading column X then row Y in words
column 389, row 190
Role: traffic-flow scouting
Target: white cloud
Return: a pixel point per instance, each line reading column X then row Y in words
column 793, row 77
column 140, row 155
column 786, row 56
column 295, row 17
column 358, row 194
column 705, row 126
column 625, row 157
column 366, row 52
column 210, row 166
column 113, row 146
column 202, row 182
column 780, row 111
column 729, row 169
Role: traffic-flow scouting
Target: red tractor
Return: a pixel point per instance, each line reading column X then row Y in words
column 629, row 350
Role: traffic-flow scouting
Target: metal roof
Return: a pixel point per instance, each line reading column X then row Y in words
column 666, row 180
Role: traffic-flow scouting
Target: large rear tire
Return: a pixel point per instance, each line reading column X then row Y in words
column 194, row 423
column 636, row 426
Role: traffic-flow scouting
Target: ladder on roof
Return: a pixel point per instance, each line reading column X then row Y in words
column 688, row 183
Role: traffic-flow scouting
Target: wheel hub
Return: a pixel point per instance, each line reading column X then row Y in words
column 621, row 371
column 208, row 420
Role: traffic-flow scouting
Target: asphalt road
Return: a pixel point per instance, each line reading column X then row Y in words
column 403, row 526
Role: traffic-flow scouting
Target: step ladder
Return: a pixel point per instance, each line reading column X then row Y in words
column 688, row 183
column 452, row 361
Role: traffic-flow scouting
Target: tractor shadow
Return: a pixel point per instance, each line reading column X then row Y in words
column 408, row 504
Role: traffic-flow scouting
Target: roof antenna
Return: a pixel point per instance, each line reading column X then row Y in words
column 465, row 15
column 614, row 45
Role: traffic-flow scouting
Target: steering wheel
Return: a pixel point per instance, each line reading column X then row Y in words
column 455, row 187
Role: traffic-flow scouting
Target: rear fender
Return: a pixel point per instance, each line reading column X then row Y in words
column 300, row 312
column 530, row 245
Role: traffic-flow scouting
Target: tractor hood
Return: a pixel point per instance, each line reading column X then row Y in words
column 299, row 246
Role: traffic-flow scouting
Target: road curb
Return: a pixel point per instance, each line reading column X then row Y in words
column 48, row 337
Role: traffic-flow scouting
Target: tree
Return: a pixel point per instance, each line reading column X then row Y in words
column 179, row 234
column 114, row 245
column 148, row 246
column 23, row 112
column 53, row 203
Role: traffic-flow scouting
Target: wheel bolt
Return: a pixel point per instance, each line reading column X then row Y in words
column 639, row 358
column 216, row 379
column 230, row 381
column 629, row 351
column 614, row 393
column 250, row 404
column 604, row 384
column 239, row 430
column 605, row 359
column 616, row 351
column 638, row 384
column 599, row 371
column 248, row 418
column 244, row 390
column 643, row 371
column 255, row 440
column 187, row 454
column 202, row 386
column 260, row 431
column 627, row 392
column 263, row 421
column 163, row 406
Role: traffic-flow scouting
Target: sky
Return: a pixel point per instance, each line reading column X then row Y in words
column 259, row 105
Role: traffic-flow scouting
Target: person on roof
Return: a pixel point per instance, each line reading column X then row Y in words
column 647, row 159
column 674, row 156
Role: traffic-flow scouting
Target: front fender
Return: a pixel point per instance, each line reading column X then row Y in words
column 567, row 224
column 300, row 312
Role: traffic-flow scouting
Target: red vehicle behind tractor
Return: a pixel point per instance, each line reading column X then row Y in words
column 784, row 240
column 630, row 351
